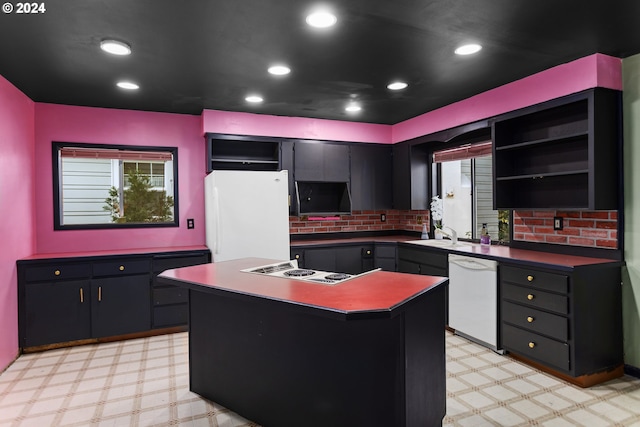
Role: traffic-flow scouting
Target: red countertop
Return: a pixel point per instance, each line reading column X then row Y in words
column 379, row 291
column 140, row 251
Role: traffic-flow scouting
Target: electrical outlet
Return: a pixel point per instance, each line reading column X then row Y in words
column 419, row 219
column 190, row 223
column 383, row 217
column 557, row 223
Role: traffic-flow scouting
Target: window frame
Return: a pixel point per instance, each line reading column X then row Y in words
column 56, row 146
column 436, row 185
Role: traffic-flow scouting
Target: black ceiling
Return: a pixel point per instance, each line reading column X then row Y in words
column 209, row 54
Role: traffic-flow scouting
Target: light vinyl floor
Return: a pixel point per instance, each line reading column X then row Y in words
column 145, row 382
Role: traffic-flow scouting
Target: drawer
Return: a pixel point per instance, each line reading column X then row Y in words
column 170, row 315
column 122, row 267
column 528, row 344
column 535, row 298
column 534, row 278
column 172, row 295
column 59, row 271
column 167, row 262
column 385, row 251
column 537, row 321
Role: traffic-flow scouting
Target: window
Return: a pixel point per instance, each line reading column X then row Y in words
column 465, row 185
column 108, row 186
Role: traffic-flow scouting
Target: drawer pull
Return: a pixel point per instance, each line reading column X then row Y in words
column 532, row 344
column 368, row 252
column 530, row 297
column 121, row 268
column 530, row 278
column 99, row 293
column 530, row 319
column 297, row 256
column 57, row 272
column 81, row 295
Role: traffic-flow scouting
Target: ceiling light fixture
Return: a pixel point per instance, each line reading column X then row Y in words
column 127, row 85
column 115, row 47
column 468, row 49
column 279, row 70
column 321, row 19
column 397, row 85
column 254, row 99
column 353, row 108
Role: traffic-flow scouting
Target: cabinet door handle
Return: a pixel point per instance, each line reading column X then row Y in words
column 532, row 344
column 121, row 268
column 530, row 278
column 57, row 272
column 99, row 293
column 530, row 319
column 368, row 252
column 81, row 295
column 297, row 256
column 530, row 297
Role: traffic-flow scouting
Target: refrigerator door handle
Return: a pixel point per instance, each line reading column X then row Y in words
column 216, row 208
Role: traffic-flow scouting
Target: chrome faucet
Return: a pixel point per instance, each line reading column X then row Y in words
column 452, row 234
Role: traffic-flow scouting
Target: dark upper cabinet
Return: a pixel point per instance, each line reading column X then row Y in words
column 238, row 152
column 286, row 163
column 410, row 176
column 562, row 154
column 371, row 176
column 321, row 161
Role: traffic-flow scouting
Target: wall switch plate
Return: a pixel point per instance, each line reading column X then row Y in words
column 557, row 223
column 190, row 223
column 383, row 217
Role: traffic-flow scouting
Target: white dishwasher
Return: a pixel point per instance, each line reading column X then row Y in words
column 473, row 299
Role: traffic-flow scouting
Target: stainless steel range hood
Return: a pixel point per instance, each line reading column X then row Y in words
column 323, row 198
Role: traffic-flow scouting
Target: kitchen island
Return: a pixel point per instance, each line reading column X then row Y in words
column 285, row 352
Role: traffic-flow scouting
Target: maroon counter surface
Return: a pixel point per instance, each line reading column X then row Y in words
column 376, row 293
column 284, row 352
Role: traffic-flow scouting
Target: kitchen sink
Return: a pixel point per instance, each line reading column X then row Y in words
column 444, row 243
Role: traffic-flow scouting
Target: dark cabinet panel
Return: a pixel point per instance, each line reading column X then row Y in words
column 425, row 261
column 120, row 305
column 385, row 256
column 410, row 176
column 321, row 161
column 371, row 176
column 56, row 312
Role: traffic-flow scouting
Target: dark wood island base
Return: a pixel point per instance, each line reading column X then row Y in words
column 281, row 360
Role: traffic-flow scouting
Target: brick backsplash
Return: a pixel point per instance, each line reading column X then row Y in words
column 361, row 221
column 591, row 229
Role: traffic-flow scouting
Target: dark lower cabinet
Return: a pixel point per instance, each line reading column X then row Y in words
column 350, row 259
column 415, row 260
column 567, row 321
column 66, row 300
column 55, row 311
column 120, row 305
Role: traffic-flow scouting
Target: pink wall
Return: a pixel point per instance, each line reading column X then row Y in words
column 584, row 73
column 17, row 206
column 293, row 127
column 100, row 125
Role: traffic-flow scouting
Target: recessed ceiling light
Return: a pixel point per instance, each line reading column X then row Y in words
column 321, row 19
column 253, row 98
column 128, row 85
column 279, row 70
column 353, row 108
column 397, row 85
column 115, row 47
column 468, row 49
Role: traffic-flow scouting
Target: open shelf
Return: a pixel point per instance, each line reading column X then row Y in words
column 561, row 154
column 227, row 153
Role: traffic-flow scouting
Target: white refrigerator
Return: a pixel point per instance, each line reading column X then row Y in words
column 247, row 214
